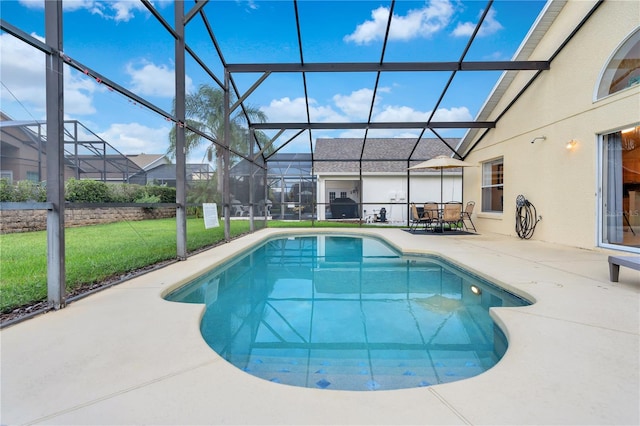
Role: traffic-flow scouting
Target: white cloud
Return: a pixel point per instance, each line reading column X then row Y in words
column 352, row 107
column 135, row 138
column 251, row 4
column 453, row 114
column 124, row 10
column 294, row 110
column 404, row 113
column 355, row 107
column 400, row 113
column 357, row 104
column 119, row 10
column 32, row 4
column 424, row 22
column 23, row 82
column 22, row 70
column 78, row 94
column 148, row 79
column 489, row 26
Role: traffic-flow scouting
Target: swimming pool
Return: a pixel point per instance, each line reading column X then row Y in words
column 348, row 313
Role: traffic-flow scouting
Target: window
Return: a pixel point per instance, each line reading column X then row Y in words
column 33, row 176
column 332, row 196
column 343, row 194
column 492, row 186
column 623, row 69
column 7, row 174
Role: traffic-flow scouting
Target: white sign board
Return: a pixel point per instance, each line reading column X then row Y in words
column 210, row 211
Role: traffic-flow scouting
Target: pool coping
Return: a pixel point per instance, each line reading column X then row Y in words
column 125, row 356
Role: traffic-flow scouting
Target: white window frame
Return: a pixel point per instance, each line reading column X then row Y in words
column 608, row 72
column 488, row 185
column 7, row 174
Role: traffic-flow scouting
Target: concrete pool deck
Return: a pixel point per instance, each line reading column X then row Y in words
column 126, row 356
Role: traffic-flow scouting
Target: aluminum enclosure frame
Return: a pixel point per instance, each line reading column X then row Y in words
column 56, row 59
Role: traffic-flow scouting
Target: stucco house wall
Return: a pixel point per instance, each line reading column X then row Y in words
column 384, row 183
column 562, row 184
column 422, row 188
column 390, row 191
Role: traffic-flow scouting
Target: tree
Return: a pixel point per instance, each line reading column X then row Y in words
column 205, row 112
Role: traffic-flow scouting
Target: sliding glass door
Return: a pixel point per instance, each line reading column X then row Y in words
column 620, row 196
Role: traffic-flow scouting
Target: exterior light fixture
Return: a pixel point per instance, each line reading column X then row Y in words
column 538, row 138
column 571, row 144
column 475, row 290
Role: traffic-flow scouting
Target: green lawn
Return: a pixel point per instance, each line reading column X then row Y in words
column 96, row 253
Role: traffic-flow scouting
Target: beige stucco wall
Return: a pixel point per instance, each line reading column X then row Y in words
column 562, row 184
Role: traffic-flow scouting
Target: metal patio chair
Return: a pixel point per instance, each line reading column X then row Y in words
column 452, row 214
column 466, row 215
column 432, row 213
column 417, row 219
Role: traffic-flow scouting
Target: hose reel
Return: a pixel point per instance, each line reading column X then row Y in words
column 526, row 217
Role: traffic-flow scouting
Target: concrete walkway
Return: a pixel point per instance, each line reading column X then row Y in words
column 126, row 356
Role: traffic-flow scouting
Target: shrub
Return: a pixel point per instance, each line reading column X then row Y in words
column 126, row 193
column 166, row 194
column 149, row 199
column 87, row 191
column 26, row 190
column 6, row 190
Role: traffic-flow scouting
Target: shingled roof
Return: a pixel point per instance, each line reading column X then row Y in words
column 341, row 155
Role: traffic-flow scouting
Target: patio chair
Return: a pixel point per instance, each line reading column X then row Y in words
column 452, row 214
column 466, row 215
column 431, row 212
column 416, row 219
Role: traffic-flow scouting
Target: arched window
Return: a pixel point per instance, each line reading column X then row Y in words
column 623, row 69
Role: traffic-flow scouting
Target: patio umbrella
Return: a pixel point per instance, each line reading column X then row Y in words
column 441, row 162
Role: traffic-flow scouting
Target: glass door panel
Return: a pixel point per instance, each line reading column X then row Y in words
column 621, row 188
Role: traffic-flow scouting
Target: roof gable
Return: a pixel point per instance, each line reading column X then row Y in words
column 148, row 161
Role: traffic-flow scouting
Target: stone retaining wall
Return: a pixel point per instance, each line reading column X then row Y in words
column 12, row 221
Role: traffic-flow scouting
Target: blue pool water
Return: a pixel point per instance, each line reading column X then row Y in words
column 348, row 313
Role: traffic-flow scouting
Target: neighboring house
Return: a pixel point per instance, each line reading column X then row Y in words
column 381, row 179
column 23, row 153
column 165, row 174
column 23, row 156
column 570, row 143
column 149, row 161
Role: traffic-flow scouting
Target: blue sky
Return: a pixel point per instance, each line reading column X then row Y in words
column 124, row 42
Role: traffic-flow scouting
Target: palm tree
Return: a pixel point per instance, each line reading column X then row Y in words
column 205, row 112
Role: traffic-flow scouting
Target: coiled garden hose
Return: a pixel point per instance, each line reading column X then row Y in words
column 526, row 217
